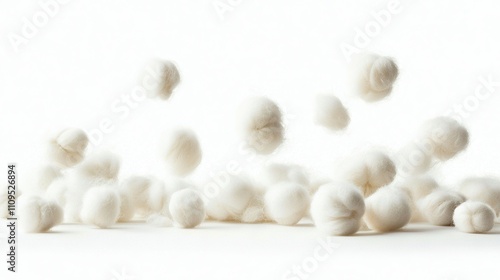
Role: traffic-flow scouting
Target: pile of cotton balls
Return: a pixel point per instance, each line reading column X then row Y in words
column 366, row 194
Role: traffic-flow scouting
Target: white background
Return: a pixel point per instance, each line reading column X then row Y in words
column 89, row 55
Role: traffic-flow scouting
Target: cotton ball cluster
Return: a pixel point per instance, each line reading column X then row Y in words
column 331, row 113
column 47, row 174
column 37, row 214
column 483, row 189
column 161, row 78
column 445, row 137
column 261, row 124
column 370, row 171
column 438, row 207
column 146, row 194
column 474, row 217
column 286, row 203
column 388, row 209
column 182, row 151
column 230, row 200
column 187, row 208
column 101, row 206
column 337, row 209
column 373, row 76
column 68, row 147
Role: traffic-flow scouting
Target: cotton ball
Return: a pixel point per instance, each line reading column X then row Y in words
column 445, row 137
column 276, row 172
column 229, row 201
column 127, row 207
column 438, row 207
column 146, row 194
column 47, row 174
column 38, row 215
column 337, row 209
column 182, row 152
column 187, row 208
column 483, row 189
column 388, row 209
column 161, row 78
column 370, row 171
column 474, row 217
column 100, row 166
column 173, row 185
column 57, row 191
column 287, row 203
column 260, row 120
column 417, row 188
column 68, row 147
column 331, row 113
column 101, row 206
column 413, row 160
column 255, row 212
column 159, row 220
column 373, row 76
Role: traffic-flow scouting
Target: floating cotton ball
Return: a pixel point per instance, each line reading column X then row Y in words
column 337, row 208
column 483, row 189
column 276, row 172
column 100, row 166
column 187, row 208
column 373, row 76
column 147, row 194
column 161, row 78
column 38, row 215
column 229, row 201
column 474, row 217
column 68, row 147
column 127, row 207
column 101, row 206
column 388, row 209
column 261, row 123
column 287, row 203
column 331, row 113
column 438, row 207
column 445, row 137
column 370, row 171
column 413, row 160
column 182, row 152
column 47, row 174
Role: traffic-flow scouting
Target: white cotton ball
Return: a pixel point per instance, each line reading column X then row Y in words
column 147, row 194
column 47, row 174
column 182, row 152
column 331, row 113
column 255, row 212
column 287, row 203
column 445, row 137
column 187, row 208
column 483, row 189
column 260, row 120
column 413, row 160
column 337, row 209
column 102, row 166
column 474, row 217
column 101, row 206
column 68, row 147
column 373, row 76
column 127, row 207
column 171, row 186
column 388, row 209
column 274, row 173
column 231, row 200
column 417, row 188
column 38, row 215
column 160, row 78
column 437, row 207
column 370, row 171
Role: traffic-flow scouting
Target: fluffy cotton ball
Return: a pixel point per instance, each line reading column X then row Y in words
column 161, row 78
column 187, row 208
column 274, row 173
column 147, row 194
column 287, row 203
column 171, row 186
column 101, row 206
column 182, row 152
column 38, row 215
column 261, row 123
column 483, row 189
column 417, row 188
column 437, row 207
column 337, row 209
column 474, row 217
column 445, row 137
column 413, row 160
column 370, row 171
column 255, row 212
column 373, row 76
column 230, row 199
column 331, row 113
column 388, row 209
column 47, row 174
column 68, row 147
column 100, row 166
column 127, row 207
